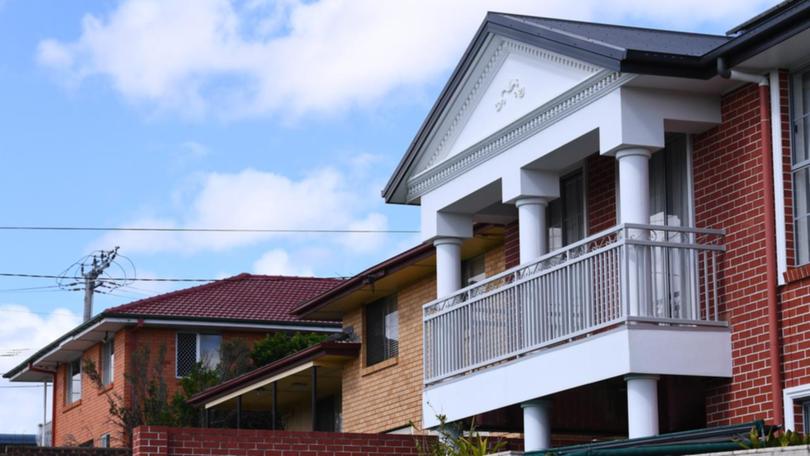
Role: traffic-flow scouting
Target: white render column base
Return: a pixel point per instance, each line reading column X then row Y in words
column 532, row 227
column 642, row 405
column 536, row 424
column 448, row 265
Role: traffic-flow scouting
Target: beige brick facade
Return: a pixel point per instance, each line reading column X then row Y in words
column 388, row 396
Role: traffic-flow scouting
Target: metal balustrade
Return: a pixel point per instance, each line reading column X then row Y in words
column 645, row 273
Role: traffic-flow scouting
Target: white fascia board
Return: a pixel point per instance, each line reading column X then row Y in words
column 622, row 351
column 232, row 325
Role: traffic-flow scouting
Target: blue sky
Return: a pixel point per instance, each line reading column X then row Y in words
column 217, row 113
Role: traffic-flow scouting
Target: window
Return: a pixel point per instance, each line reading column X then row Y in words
column 197, row 348
column 473, row 271
column 669, row 183
column 566, row 214
column 801, row 164
column 108, row 361
column 73, row 383
column 104, row 441
column 382, row 330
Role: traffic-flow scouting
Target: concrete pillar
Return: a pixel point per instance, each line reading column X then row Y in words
column 642, row 405
column 532, row 228
column 537, row 424
column 634, row 185
column 448, row 265
column 634, row 201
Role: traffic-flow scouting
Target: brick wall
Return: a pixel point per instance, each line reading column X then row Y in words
column 89, row 419
column 600, row 193
column 163, row 441
column 388, row 395
column 73, row 451
column 727, row 181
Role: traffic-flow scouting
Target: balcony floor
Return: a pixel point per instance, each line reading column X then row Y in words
column 633, row 348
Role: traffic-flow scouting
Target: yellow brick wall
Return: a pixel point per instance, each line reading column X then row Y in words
column 388, row 395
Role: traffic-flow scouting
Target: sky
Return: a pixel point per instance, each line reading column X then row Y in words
column 224, row 113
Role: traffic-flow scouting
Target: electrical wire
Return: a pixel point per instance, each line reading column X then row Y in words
column 205, row 230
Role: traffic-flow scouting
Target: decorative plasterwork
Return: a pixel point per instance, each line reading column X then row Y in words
column 516, row 91
column 541, row 118
column 481, row 77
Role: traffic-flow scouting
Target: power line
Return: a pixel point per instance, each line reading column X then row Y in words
column 139, row 279
column 205, row 230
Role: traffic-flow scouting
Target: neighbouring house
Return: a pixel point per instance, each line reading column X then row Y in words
column 371, row 382
column 190, row 324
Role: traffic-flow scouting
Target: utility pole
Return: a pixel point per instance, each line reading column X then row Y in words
column 100, row 262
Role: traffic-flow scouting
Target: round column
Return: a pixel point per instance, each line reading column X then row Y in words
column 634, row 185
column 448, row 265
column 532, row 228
column 642, row 405
column 536, row 424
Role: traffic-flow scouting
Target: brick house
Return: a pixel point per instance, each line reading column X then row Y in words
column 656, row 226
column 190, row 324
column 645, row 263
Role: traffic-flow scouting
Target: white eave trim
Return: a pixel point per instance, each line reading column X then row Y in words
column 131, row 321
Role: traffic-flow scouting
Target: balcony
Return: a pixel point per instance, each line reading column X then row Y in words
column 628, row 275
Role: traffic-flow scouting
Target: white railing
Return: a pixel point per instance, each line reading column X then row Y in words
column 657, row 274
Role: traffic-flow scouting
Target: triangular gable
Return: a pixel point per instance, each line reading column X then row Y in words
column 509, row 80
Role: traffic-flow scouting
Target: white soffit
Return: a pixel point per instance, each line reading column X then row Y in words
column 509, row 80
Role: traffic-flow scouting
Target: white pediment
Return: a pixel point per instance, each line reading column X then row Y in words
column 508, row 81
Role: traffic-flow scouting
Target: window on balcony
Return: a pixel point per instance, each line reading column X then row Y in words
column 73, row 383
column 108, row 361
column 669, row 183
column 197, row 348
column 801, row 164
column 566, row 214
column 473, row 270
column 382, row 330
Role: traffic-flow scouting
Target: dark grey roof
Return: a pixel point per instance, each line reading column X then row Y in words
column 618, row 48
column 628, row 38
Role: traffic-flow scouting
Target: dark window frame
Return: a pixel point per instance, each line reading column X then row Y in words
column 378, row 317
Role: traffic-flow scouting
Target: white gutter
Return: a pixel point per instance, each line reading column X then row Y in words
column 778, row 180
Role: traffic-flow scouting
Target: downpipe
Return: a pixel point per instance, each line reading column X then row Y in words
column 766, row 164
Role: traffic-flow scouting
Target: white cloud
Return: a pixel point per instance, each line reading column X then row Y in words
column 293, row 57
column 251, row 199
column 24, row 329
column 278, row 262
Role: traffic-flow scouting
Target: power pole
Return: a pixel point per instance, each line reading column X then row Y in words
column 100, row 262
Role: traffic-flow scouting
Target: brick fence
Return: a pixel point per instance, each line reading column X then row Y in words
column 166, row 441
column 72, row 451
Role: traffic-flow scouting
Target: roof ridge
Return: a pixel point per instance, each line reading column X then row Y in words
column 604, row 24
column 215, row 283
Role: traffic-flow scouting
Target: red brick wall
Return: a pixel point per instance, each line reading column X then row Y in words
column 88, row 419
column 600, row 193
column 727, row 188
column 163, row 441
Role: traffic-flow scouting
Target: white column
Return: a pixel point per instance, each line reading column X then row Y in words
column 642, row 405
column 532, row 228
column 448, row 265
column 536, row 424
column 634, row 185
column 634, row 201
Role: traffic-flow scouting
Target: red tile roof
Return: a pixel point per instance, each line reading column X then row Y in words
column 241, row 297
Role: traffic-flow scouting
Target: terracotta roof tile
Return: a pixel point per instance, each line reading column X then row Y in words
column 241, row 297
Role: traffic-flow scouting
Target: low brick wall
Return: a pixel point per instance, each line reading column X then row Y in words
column 66, row 451
column 166, row 441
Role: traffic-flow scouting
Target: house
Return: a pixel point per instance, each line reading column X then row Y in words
column 371, row 381
column 189, row 324
column 654, row 184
